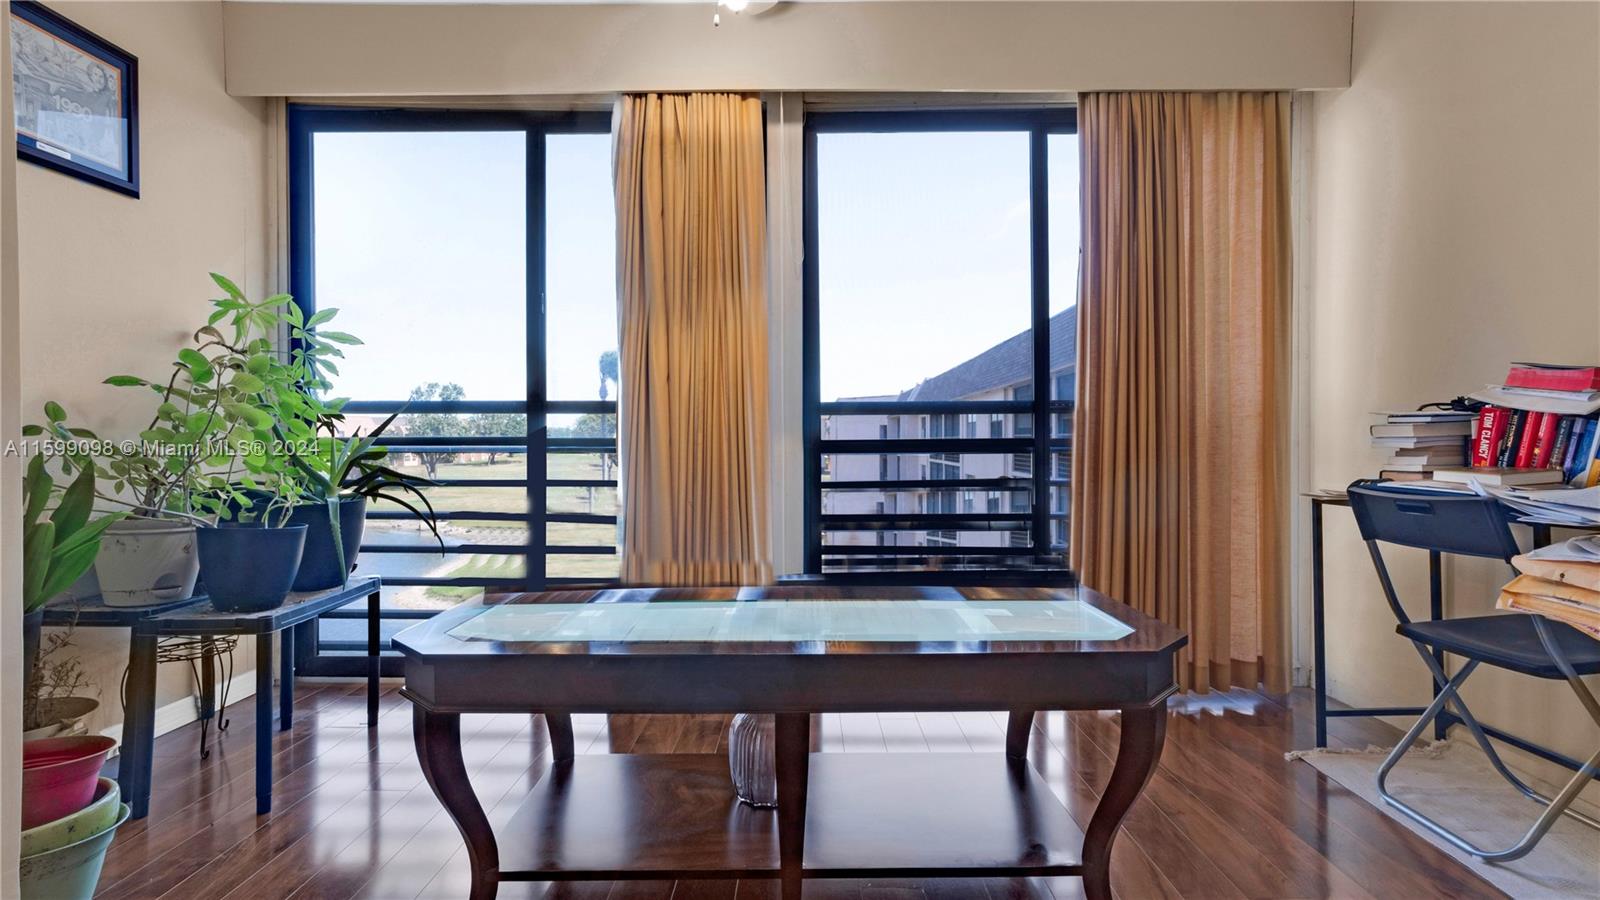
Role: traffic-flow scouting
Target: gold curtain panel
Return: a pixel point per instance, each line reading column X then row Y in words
column 1180, row 449
column 691, row 279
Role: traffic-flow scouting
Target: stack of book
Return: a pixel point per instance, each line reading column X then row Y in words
column 1561, row 581
column 1542, row 418
column 1421, row 441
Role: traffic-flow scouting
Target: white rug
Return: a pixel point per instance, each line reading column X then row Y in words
column 1452, row 783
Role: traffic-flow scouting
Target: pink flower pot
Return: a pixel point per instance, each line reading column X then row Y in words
column 59, row 775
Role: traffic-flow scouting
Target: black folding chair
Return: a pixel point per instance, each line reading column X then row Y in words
column 1470, row 525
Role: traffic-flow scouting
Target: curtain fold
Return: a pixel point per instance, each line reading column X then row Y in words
column 691, row 286
column 1179, row 469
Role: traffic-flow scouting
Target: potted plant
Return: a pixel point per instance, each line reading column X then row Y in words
column 58, row 549
column 62, row 858
column 342, row 475
column 55, row 698
column 210, row 437
column 338, row 474
column 249, row 563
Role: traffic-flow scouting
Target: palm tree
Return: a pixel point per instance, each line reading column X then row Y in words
column 609, row 375
column 608, row 371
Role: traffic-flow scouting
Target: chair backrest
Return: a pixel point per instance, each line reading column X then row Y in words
column 1465, row 524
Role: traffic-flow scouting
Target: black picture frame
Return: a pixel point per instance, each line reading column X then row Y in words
column 47, row 78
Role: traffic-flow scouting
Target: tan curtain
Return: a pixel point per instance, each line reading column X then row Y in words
column 1179, row 463
column 691, row 280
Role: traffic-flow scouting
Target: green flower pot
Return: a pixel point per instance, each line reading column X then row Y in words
column 100, row 814
column 70, row 872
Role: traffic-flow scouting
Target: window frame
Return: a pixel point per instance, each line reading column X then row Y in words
column 1049, row 565
column 304, row 121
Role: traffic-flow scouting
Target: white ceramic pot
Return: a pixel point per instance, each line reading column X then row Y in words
column 144, row 562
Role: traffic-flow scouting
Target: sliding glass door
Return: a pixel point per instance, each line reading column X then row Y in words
column 941, row 259
column 473, row 253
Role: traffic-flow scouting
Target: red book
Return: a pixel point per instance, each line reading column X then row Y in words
column 1545, row 440
column 1490, row 432
column 1554, row 378
column 1530, row 437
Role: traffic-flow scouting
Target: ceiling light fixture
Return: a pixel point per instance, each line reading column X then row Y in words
column 733, row 6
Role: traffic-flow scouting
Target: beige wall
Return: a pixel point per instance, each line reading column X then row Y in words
column 10, row 500
column 356, row 49
column 1453, row 226
column 111, row 284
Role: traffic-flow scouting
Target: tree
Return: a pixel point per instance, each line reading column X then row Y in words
column 608, row 372
column 435, row 424
column 488, row 425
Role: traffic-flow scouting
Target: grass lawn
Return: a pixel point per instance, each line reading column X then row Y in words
column 598, row 501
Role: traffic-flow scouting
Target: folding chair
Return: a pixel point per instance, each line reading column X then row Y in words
column 1474, row 526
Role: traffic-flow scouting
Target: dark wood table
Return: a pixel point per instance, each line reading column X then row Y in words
column 200, row 619
column 839, row 815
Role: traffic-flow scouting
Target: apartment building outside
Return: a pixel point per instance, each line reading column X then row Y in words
column 1002, row 372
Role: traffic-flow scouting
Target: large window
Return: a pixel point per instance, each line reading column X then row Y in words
column 473, row 252
column 940, row 326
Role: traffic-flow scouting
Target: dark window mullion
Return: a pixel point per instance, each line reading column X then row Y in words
column 537, row 435
column 1039, row 252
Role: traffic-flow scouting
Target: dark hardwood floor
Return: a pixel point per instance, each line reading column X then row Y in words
column 1225, row 816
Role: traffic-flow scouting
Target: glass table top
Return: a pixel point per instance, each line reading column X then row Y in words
column 729, row 621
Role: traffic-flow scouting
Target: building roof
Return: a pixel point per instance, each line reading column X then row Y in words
column 1008, row 362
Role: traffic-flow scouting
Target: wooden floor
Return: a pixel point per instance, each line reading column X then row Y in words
column 1225, row 816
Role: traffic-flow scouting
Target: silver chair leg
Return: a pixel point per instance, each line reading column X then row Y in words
column 1556, row 807
column 1482, row 739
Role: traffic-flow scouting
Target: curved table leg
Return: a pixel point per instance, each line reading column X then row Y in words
column 1138, row 750
column 438, row 737
column 562, row 747
column 1019, row 725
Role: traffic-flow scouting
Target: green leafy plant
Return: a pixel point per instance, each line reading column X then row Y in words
column 224, row 416
column 341, row 467
column 58, row 549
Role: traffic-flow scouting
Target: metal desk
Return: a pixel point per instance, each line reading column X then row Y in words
column 1320, row 499
column 199, row 618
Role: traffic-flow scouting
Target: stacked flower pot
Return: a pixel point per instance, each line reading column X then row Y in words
column 69, row 815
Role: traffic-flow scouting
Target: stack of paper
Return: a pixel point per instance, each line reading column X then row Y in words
column 1561, row 581
column 1554, row 506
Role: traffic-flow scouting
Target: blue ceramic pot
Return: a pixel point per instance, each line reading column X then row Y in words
column 319, row 566
column 247, row 568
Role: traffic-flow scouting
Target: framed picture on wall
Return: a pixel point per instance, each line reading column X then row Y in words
column 76, row 97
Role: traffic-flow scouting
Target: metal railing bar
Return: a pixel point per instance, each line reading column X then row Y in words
column 949, row 484
column 927, row 407
column 449, row 549
column 928, row 550
column 402, row 515
column 892, row 446
column 581, row 518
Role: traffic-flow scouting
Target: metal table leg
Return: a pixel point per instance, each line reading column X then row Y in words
column 263, row 724
column 374, row 604
column 1436, row 612
column 286, row 679
column 208, row 694
column 139, row 727
column 1319, row 637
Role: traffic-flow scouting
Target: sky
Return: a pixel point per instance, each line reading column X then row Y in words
column 420, row 243
column 923, row 251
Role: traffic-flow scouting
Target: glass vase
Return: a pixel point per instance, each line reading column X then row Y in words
column 752, row 760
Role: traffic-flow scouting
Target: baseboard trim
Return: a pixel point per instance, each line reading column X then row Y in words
column 179, row 713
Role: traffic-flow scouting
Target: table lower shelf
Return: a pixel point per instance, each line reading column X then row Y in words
column 868, row 815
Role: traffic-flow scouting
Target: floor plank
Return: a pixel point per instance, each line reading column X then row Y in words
column 1224, row 816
